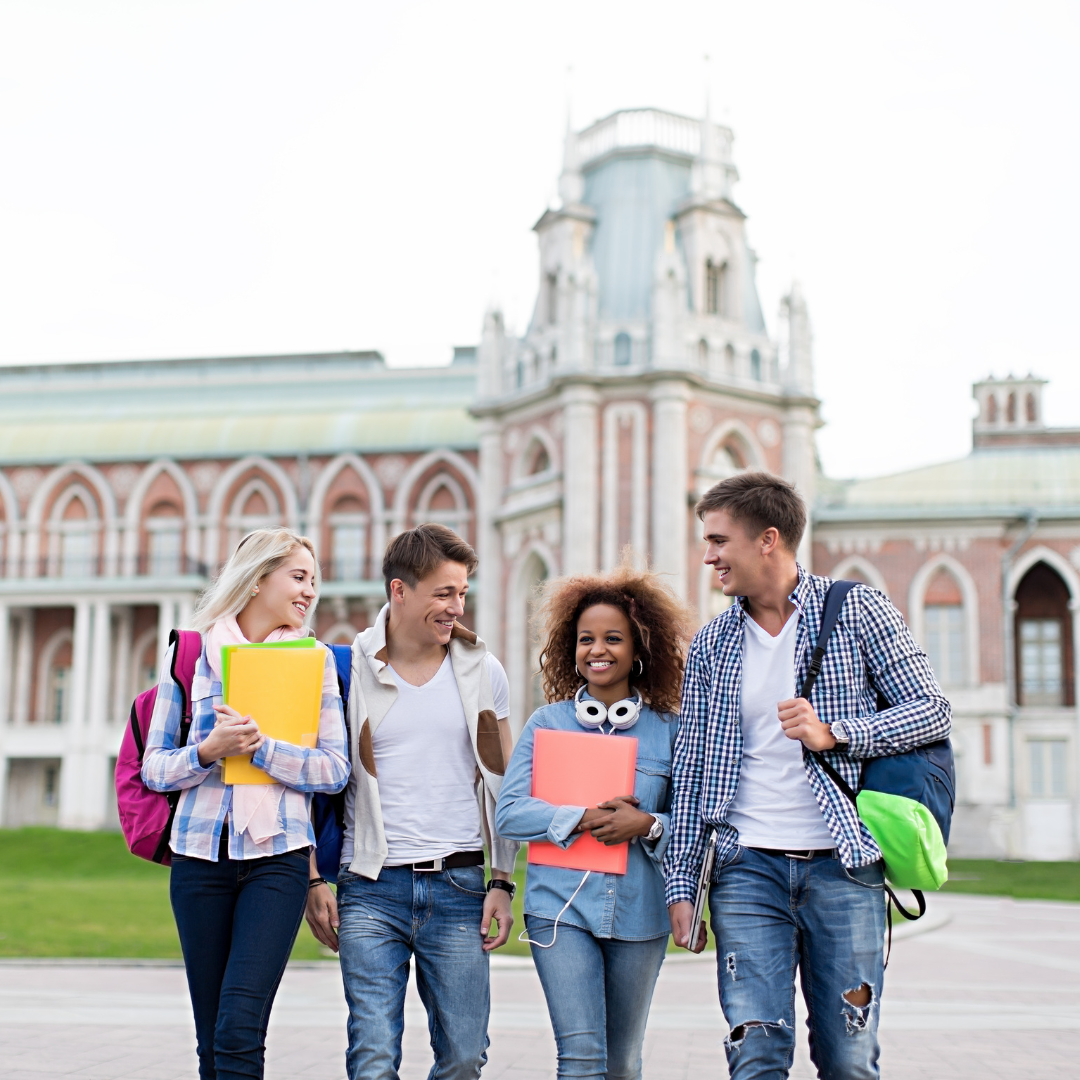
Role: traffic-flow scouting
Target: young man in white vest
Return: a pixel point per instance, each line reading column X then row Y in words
column 430, row 740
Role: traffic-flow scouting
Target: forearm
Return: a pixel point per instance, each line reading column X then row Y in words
column 301, row 768
column 173, row 769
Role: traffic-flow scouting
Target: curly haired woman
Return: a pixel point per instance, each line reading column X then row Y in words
column 615, row 648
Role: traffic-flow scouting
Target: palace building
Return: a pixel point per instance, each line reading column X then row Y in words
column 646, row 374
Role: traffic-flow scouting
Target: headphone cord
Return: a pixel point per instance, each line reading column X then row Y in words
column 524, row 935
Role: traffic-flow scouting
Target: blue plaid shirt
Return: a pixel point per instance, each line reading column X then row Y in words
column 870, row 649
column 205, row 800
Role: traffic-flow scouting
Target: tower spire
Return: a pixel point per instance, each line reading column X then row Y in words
column 571, row 182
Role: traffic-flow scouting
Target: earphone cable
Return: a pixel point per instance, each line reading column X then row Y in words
column 524, row 935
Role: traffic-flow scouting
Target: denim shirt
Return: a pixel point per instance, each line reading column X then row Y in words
column 627, row 907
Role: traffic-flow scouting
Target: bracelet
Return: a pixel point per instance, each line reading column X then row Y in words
column 316, row 881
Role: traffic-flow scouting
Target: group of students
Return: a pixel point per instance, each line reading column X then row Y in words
column 726, row 754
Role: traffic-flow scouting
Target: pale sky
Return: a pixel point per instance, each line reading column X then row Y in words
column 211, row 178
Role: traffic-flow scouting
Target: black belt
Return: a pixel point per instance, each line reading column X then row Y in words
column 806, row 853
column 449, row 862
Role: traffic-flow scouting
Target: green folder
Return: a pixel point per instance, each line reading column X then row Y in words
column 227, row 651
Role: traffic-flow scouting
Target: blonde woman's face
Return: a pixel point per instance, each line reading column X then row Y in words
column 286, row 594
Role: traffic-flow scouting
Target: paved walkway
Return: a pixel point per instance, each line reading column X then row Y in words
column 991, row 990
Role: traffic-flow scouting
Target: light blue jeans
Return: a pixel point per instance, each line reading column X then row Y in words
column 771, row 914
column 434, row 918
column 598, row 994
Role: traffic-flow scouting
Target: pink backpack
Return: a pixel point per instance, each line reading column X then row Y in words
column 146, row 816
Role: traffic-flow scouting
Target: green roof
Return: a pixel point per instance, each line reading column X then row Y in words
column 321, row 403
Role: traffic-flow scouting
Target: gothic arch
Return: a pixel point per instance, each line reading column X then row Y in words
column 133, row 509
column 212, row 549
column 970, row 595
column 744, row 436
column 317, row 502
column 417, row 469
column 138, row 649
column 52, row 646
column 451, row 483
column 1023, row 563
column 104, row 497
column 10, row 533
column 536, row 434
column 868, row 571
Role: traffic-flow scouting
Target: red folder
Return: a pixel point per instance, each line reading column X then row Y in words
column 578, row 769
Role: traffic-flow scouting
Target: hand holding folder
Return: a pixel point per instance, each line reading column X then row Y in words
column 281, row 690
column 579, row 769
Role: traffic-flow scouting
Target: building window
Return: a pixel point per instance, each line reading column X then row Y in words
column 988, row 744
column 1049, row 768
column 755, row 365
column 945, row 643
column 1010, row 408
column 165, row 540
column 1040, row 662
column 50, row 793
column 991, row 410
column 347, row 554
column 552, row 294
column 1044, row 645
column 703, row 354
column 76, row 553
column 729, row 360
column 58, row 694
column 715, row 288
column 622, row 349
column 1029, row 407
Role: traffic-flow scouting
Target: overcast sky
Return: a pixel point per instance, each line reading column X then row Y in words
column 193, row 179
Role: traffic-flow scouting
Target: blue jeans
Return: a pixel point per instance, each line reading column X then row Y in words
column 434, row 918
column 771, row 914
column 598, row 994
column 237, row 922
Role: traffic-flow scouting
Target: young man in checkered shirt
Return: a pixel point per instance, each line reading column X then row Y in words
column 798, row 879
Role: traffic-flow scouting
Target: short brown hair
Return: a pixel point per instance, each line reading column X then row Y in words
column 661, row 625
column 759, row 501
column 414, row 554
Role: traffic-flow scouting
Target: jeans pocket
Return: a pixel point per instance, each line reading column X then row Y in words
column 467, row 879
column 871, row 876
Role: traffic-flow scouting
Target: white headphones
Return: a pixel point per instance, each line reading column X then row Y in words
column 594, row 714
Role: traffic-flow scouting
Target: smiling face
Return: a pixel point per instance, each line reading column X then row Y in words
column 740, row 559
column 605, row 652
column 286, row 594
column 425, row 615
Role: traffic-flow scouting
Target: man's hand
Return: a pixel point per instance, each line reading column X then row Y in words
column 799, row 721
column 681, row 915
column 497, row 907
column 321, row 911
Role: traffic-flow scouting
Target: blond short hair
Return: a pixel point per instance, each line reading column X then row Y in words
column 260, row 553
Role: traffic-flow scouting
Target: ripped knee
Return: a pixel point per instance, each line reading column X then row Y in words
column 738, row 1034
column 858, row 1004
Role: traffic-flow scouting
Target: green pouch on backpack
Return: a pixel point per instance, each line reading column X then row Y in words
column 909, row 837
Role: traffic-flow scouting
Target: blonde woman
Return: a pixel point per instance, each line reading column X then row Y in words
column 240, row 854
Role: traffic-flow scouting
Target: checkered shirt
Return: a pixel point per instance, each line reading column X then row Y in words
column 870, row 649
column 205, row 800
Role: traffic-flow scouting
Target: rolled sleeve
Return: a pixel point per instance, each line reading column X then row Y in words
column 564, row 821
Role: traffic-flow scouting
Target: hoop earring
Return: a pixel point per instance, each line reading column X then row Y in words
column 640, row 668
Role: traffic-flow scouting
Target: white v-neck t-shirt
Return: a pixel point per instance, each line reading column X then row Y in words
column 774, row 805
column 427, row 769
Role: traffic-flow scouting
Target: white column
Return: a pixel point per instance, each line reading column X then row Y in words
column 23, row 668
column 185, row 610
column 6, row 667
column 800, row 467
column 73, row 766
column 670, row 482
column 581, row 506
column 489, row 549
column 121, row 703
column 166, row 622
column 98, row 750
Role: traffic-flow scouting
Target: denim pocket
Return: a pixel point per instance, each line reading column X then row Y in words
column 871, row 876
column 467, row 879
column 651, row 783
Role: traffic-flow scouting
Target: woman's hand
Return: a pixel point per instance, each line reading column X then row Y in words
column 616, row 821
column 233, row 735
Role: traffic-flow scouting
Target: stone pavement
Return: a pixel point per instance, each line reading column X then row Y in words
column 991, row 989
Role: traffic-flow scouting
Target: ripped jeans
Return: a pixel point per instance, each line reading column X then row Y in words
column 772, row 914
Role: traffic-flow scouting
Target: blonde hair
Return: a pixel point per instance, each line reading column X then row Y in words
column 260, row 553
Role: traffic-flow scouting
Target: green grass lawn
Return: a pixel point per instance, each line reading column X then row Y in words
column 82, row 894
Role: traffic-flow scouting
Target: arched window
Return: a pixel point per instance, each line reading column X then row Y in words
column 77, row 540
column 552, row 298
column 165, row 538
column 348, row 538
column 703, row 354
column 755, row 365
column 729, row 360
column 622, row 348
column 1030, row 409
column 715, row 288
column 946, row 639
column 537, row 460
column 991, row 409
column 1010, row 408
column 54, row 679
column 1043, row 639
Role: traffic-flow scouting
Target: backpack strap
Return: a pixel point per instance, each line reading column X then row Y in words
column 834, row 601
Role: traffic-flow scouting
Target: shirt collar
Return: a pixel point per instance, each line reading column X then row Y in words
column 798, row 596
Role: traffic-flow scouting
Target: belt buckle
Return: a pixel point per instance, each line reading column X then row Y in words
column 435, row 867
column 802, row 858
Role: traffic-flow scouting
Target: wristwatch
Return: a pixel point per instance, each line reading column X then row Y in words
column 839, row 734
column 506, row 886
column 656, row 831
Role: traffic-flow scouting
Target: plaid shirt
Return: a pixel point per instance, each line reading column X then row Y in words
column 206, row 800
column 870, row 649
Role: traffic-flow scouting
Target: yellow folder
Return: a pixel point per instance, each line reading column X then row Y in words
column 281, row 690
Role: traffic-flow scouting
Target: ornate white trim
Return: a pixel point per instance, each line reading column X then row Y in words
column 970, row 595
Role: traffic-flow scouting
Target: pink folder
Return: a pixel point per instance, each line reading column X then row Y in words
column 579, row 769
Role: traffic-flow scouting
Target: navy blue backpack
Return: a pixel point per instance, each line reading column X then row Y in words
column 328, row 811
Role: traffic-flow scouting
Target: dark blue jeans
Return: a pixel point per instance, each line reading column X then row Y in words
column 237, row 923
column 771, row 914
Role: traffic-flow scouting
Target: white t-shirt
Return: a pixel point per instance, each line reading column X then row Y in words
column 774, row 806
column 427, row 769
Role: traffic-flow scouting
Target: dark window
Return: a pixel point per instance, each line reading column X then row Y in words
column 1044, row 644
column 715, row 287
column 755, row 365
column 622, row 349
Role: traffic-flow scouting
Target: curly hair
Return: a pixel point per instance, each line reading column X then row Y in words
column 660, row 622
